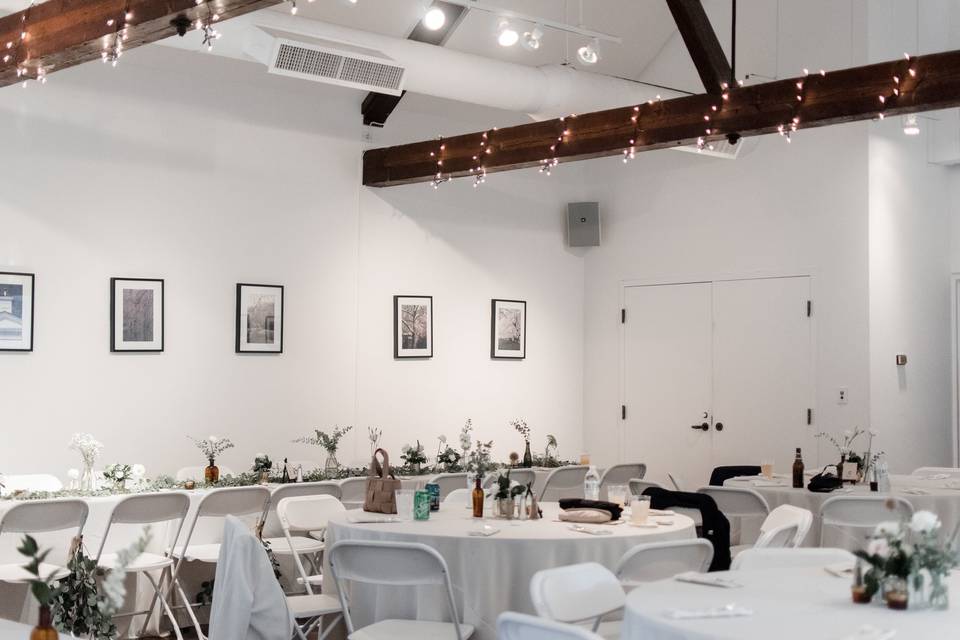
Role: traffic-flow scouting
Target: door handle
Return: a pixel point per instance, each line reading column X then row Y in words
column 719, row 426
column 702, row 427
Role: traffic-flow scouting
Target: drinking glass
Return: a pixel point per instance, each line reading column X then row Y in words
column 584, row 458
column 617, row 494
column 766, row 468
column 405, row 503
column 640, row 510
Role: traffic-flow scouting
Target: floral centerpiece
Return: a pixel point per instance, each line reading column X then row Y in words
column 844, row 446
column 907, row 563
column 330, row 444
column 505, row 494
column 447, row 457
column 89, row 449
column 118, row 474
column 212, row 447
column 262, row 466
column 522, row 428
column 465, row 442
column 413, row 457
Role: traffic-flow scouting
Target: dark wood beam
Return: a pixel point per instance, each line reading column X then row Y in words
column 377, row 107
column 64, row 33
column 702, row 43
column 840, row 96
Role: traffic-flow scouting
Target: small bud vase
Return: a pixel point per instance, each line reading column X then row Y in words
column 332, row 465
column 44, row 629
column 212, row 473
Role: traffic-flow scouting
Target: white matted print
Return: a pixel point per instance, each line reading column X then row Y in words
column 259, row 318
column 508, row 329
column 16, row 311
column 136, row 314
column 412, row 326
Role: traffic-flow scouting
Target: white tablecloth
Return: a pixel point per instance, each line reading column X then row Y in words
column 490, row 575
column 937, row 497
column 788, row 604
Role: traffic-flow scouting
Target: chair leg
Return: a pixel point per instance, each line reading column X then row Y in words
column 189, row 607
column 163, row 603
column 153, row 603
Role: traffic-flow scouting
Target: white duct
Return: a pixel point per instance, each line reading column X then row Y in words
column 542, row 92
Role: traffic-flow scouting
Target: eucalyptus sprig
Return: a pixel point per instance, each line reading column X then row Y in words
column 329, row 442
column 522, row 429
column 42, row 587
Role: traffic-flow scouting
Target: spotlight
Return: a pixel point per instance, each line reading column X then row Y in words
column 911, row 126
column 434, row 19
column 531, row 39
column 507, row 36
column 589, row 53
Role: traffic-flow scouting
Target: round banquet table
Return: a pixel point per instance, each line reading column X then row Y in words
column 489, row 574
column 928, row 493
column 787, row 604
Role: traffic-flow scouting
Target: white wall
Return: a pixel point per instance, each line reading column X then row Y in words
column 207, row 173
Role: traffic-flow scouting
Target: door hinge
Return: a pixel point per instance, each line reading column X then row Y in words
column 623, row 412
column 809, row 416
column 809, row 308
column 623, row 316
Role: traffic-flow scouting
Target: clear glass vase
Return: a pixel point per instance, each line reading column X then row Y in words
column 331, row 465
column 88, row 481
column 929, row 591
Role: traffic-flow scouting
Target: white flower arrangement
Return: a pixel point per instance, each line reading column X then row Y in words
column 465, row 442
column 924, row 522
column 88, row 447
column 212, row 446
column 118, row 473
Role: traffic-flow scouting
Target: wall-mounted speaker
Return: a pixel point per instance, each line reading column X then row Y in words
column 583, row 224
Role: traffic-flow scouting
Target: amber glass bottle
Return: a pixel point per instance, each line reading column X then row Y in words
column 478, row 499
column 798, row 471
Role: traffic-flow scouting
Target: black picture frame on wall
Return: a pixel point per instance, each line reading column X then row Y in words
column 412, row 327
column 16, row 311
column 508, row 329
column 259, row 318
column 137, row 308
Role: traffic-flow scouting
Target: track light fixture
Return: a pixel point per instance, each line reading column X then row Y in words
column 589, row 54
column 531, row 39
column 507, row 36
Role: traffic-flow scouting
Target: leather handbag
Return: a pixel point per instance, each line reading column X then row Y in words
column 381, row 486
column 824, row 482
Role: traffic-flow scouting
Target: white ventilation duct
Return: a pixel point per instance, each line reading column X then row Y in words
column 542, row 92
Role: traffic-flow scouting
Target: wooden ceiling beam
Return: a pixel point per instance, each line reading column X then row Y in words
column 840, row 96
column 702, row 43
column 64, row 33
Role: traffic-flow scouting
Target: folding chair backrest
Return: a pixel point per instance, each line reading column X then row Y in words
column 637, row 486
column 398, row 564
column 236, row 501
column 518, row 626
column 353, row 490
column 786, row 515
column 458, row 497
column 622, row 474
column 449, row 482
column 298, row 489
column 661, row 560
column 858, row 515
column 735, row 502
column 45, row 515
column 564, row 482
column 576, row 592
column 148, row 508
column 307, row 513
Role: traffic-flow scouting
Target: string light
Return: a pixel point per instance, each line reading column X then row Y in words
column 439, row 178
column 16, row 51
column 113, row 45
column 210, row 33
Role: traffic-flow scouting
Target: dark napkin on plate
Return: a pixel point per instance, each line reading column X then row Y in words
column 579, row 503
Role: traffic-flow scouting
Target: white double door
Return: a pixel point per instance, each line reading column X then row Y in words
column 717, row 373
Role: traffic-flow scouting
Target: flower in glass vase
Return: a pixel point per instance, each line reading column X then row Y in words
column 524, row 430
column 413, row 457
column 262, row 465
column 118, row 474
column 330, row 443
column 89, row 449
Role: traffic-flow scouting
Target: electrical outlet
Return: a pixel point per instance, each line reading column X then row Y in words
column 842, row 396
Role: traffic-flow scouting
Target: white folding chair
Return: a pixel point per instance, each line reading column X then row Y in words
column 579, row 593
column 676, row 481
column 449, row 482
column 638, row 485
column 751, row 559
column 744, row 508
column 145, row 509
column 395, row 564
column 785, row 527
column 518, row 626
column 29, row 482
column 308, row 546
column 854, row 518
column 621, row 474
column 219, row 503
column 308, row 513
column 953, row 472
column 660, row 560
column 564, row 482
column 41, row 516
column 353, row 491
column 196, row 473
column 458, row 497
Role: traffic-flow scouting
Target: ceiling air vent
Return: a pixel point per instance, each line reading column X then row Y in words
column 326, row 64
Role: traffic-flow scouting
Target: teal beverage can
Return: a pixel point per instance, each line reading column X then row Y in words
column 421, row 505
column 434, row 490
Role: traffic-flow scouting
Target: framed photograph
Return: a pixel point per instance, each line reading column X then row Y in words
column 16, row 311
column 412, row 326
column 136, row 315
column 508, row 329
column 259, row 318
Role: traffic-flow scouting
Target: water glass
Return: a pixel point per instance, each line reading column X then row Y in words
column 640, row 510
column 405, row 503
column 617, row 494
column 766, row 468
column 585, row 459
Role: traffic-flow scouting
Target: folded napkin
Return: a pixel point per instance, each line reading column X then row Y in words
column 768, row 483
column 586, row 516
column 579, row 528
column 727, row 611
column 840, row 569
column 579, row 503
column 708, row 579
column 364, row 517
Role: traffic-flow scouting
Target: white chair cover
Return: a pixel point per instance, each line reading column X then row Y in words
column 248, row 602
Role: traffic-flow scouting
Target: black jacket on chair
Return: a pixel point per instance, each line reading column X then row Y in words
column 716, row 527
column 722, row 474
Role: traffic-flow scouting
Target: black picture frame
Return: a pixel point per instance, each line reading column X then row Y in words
column 113, row 316
column 244, row 346
column 497, row 353
column 32, row 278
column 401, row 352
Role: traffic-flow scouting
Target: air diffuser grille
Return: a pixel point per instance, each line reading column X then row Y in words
column 326, row 65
